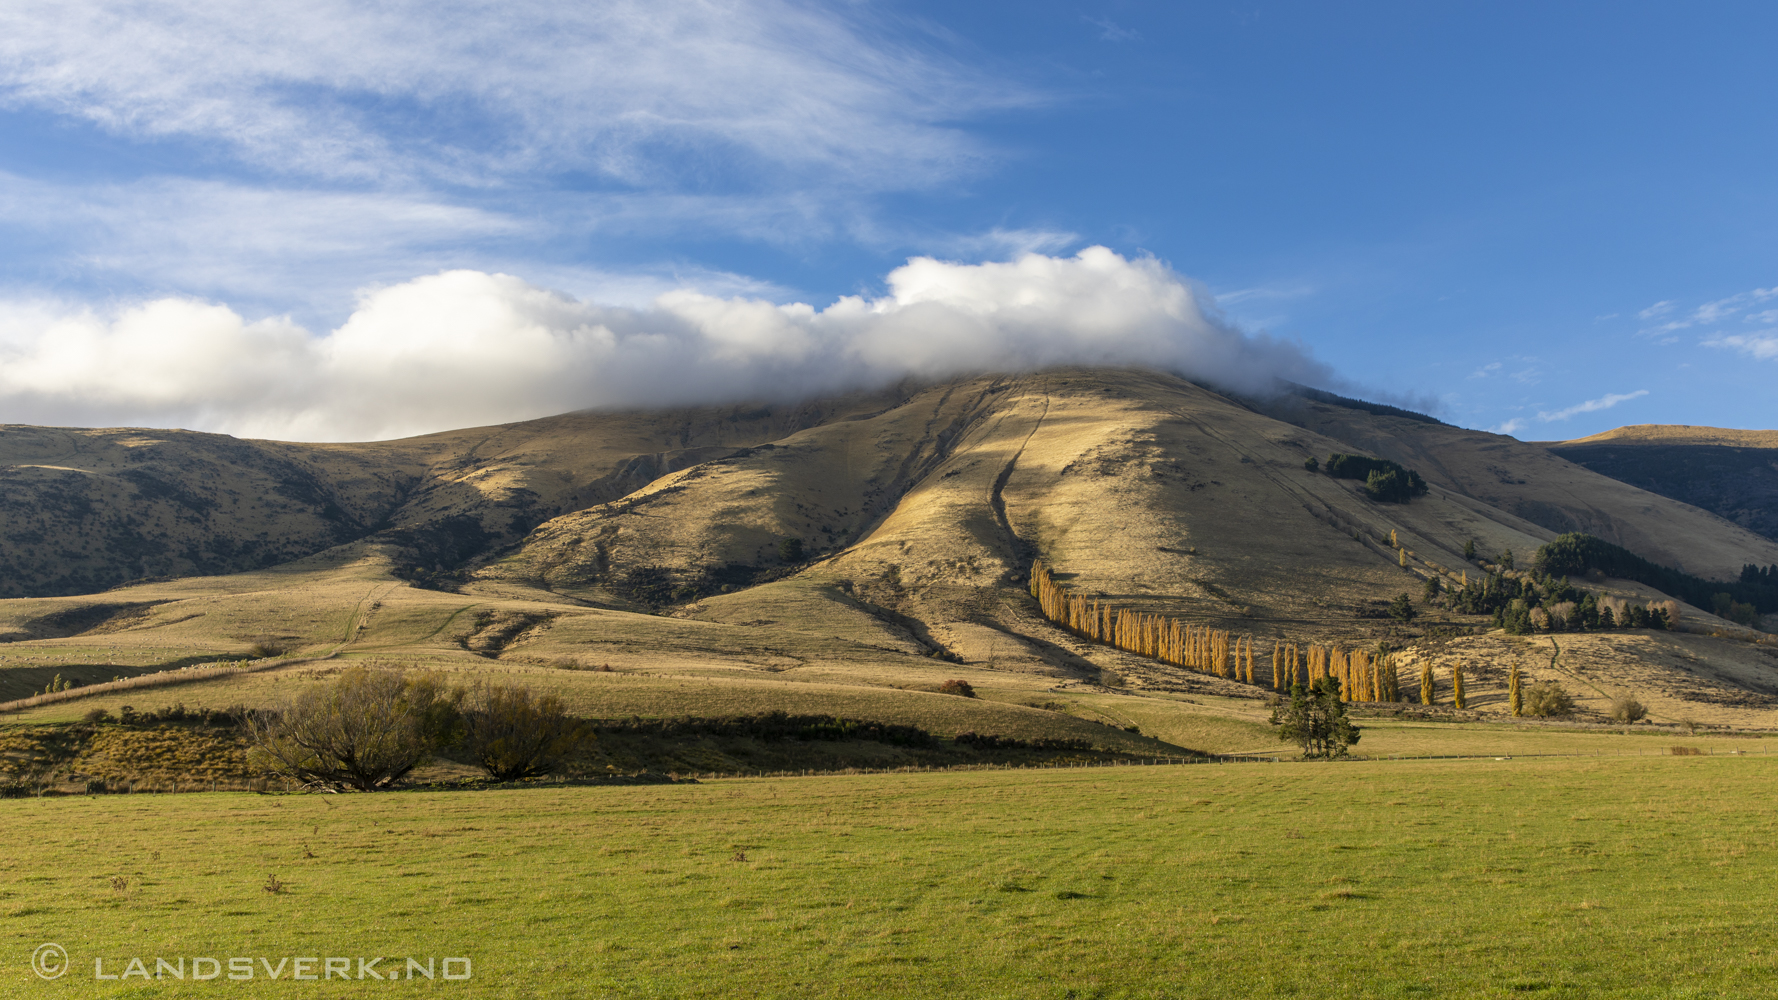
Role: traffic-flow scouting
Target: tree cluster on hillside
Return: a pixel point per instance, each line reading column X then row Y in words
column 1575, row 554
column 1523, row 604
column 1384, row 481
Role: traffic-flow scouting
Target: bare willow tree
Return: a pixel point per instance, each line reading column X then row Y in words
column 365, row 730
column 514, row 735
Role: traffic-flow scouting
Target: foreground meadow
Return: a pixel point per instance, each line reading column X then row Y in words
column 1634, row 877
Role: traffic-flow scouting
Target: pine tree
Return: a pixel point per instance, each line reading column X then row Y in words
column 1457, row 687
column 1316, row 720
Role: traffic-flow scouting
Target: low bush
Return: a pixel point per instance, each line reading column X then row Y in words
column 1626, row 710
column 266, row 646
column 365, row 731
column 1546, row 699
column 957, row 687
column 514, row 735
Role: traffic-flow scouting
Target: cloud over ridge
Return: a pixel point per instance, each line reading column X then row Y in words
column 462, row 348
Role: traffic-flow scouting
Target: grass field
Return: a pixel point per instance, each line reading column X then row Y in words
column 1639, row 877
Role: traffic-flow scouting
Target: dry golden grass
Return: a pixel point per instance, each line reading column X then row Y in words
column 1682, row 434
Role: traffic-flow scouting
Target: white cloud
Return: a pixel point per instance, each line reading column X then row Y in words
column 1707, row 314
column 1111, row 31
column 1008, row 243
column 461, row 348
column 1604, row 402
column 1512, row 426
column 1263, row 293
column 1762, row 346
column 1491, row 368
column 469, row 92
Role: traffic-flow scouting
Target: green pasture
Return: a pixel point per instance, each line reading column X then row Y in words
column 1603, row 877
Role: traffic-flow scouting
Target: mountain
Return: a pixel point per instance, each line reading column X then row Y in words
column 89, row 509
column 846, row 554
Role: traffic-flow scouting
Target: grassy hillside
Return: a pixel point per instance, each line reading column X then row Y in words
column 1641, row 877
column 1545, row 489
column 88, row 509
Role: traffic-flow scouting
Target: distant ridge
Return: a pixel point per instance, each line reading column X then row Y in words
column 1730, row 472
column 1375, row 409
column 1680, row 434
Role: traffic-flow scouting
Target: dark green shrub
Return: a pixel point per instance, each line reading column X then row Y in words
column 791, row 550
column 1401, row 609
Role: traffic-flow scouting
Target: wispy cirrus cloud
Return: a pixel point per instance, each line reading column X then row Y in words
column 299, row 151
column 1762, row 346
column 1708, row 314
column 1111, row 31
column 467, row 92
column 1604, row 402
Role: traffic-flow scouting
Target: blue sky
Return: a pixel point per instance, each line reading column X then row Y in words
column 1550, row 219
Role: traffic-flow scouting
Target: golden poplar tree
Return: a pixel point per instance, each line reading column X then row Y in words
column 1514, row 693
column 1457, row 686
column 1427, row 694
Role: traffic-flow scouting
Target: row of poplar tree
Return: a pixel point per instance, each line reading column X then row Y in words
column 1361, row 674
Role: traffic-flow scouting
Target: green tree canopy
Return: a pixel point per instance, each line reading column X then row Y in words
column 1315, row 719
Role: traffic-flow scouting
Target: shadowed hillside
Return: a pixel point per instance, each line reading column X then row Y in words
column 1730, row 473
